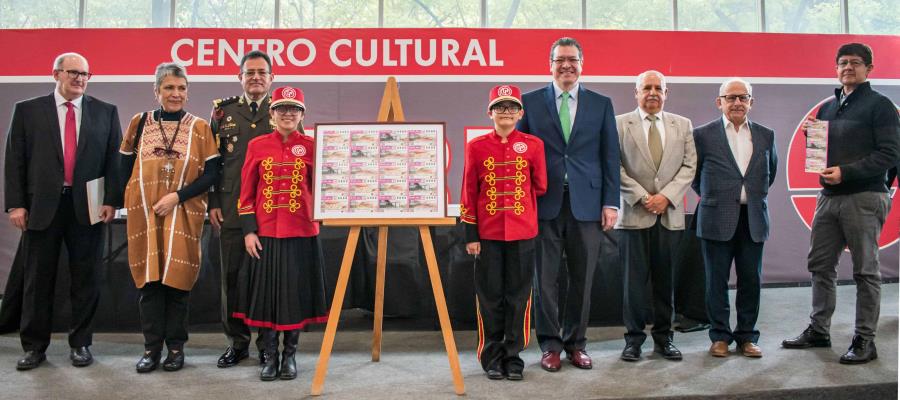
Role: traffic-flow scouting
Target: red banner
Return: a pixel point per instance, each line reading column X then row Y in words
column 447, row 52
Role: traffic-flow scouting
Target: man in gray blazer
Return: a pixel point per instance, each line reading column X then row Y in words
column 736, row 164
column 658, row 163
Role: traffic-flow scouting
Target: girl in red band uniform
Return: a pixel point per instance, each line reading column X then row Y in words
column 282, row 284
column 505, row 171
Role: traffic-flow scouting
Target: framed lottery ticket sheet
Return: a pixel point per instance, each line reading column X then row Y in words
column 391, row 170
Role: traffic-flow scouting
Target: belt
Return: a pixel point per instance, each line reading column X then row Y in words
column 66, row 190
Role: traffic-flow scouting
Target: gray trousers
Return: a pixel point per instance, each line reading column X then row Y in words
column 853, row 221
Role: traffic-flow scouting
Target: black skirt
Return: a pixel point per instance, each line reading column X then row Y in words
column 285, row 288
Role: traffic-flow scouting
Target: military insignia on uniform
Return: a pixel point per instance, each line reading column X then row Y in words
column 230, row 147
column 298, row 150
column 234, row 139
column 520, row 147
column 228, row 119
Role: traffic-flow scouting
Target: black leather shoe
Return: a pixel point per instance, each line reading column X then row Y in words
column 668, row 351
column 232, row 357
column 174, row 360
column 30, row 360
column 148, row 362
column 632, row 352
column 861, row 351
column 288, row 368
column 269, row 370
column 514, row 373
column 809, row 338
column 81, row 356
column 495, row 372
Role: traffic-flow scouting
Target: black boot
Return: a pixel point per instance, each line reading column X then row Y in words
column 288, row 365
column 269, row 370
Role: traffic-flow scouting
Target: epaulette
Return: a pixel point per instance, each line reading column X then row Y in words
column 225, row 101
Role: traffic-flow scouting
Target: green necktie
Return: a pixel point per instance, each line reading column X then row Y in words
column 564, row 117
column 654, row 141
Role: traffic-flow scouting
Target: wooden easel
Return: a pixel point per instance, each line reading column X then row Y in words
column 390, row 111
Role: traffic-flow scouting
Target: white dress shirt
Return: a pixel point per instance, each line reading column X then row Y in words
column 61, row 111
column 573, row 101
column 741, row 143
column 660, row 126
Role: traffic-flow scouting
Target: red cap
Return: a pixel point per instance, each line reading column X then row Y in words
column 505, row 93
column 287, row 95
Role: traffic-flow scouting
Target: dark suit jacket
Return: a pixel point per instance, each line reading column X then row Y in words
column 34, row 158
column 590, row 158
column 718, row 181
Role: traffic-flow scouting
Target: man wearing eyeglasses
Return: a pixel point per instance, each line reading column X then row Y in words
column 658, row 164
column 736, row 165
column 578, row 127
column 863, row 144
column 236, row 120
column 56, row 144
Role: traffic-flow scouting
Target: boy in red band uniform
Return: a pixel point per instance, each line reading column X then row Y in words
column 282, row 284
column 505, row 171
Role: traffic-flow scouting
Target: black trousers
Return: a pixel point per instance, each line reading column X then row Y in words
column 231, row 249
column 164, row 316
column 42, row 248
column 503, row 276
column 580, row 241
column 747, row 257
column 647, row 257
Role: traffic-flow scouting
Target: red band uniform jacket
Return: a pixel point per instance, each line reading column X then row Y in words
column 276, row 200
column 501, row 183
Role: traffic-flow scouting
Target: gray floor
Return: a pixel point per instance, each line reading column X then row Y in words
column 414, row 365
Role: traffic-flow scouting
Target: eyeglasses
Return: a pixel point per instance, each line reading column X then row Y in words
column 288, row 110
column 73, row 74
column 852, row 63
column 259, row 73
column 731, row 98
column 512, row 109
column 563, row 60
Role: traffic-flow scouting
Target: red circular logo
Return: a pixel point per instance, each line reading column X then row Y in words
column 520, row 147
column 288, row 93
column 298, row 150
column 504, row 91
column 803, row 186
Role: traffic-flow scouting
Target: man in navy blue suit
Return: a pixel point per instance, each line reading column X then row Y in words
column 736, row 164
column 578, row 127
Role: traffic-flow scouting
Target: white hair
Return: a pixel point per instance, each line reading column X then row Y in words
column 58, row 62
column 640, row 78
column 733, row 80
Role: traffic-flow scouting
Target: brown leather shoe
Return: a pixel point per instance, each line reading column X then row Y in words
column 580, row 359
column 719, row 349
column 750, row 349
column 550, row 361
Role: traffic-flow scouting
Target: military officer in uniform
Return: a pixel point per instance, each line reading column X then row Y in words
column 504, row 173
column 235, row 121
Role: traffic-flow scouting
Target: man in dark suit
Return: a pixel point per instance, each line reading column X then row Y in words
column 56, row 144
column 236, row 120
column 578, row 127
column 736, row 164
